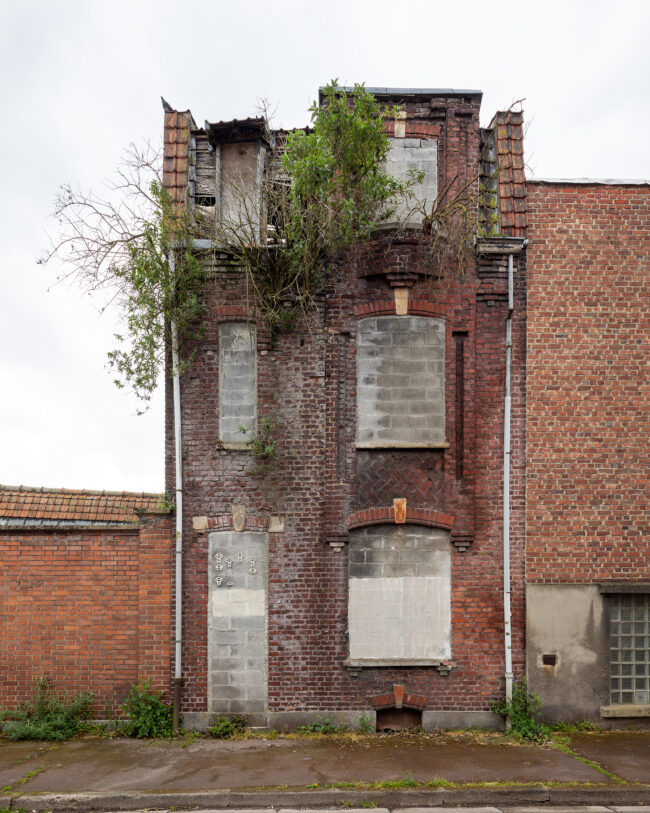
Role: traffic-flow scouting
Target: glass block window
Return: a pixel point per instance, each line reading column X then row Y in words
column 629, row 636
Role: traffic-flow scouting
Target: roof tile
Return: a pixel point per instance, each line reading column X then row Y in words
column 21, row 502
column 512, row 180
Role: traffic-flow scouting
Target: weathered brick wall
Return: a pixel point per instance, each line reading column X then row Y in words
column 89, row 609
column 307, row 382
column 588, row 510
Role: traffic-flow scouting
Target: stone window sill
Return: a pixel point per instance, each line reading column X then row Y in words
column 443, row 665
column 387, row 444
column 236, row 447
column 625, row 710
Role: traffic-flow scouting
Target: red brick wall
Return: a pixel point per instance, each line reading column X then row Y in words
column 307, row 382
column 588, row 505
column 89, row 609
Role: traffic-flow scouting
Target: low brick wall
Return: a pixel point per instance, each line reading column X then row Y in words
column 89, row 608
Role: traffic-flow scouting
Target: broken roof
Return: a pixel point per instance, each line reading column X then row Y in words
column 250, row 129
column 401, row 92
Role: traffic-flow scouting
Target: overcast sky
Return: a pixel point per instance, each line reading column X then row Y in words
column 81, row 79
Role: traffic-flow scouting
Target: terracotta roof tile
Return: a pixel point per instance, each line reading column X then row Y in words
column 67, row 505
column 508, row 126
column 176, row 143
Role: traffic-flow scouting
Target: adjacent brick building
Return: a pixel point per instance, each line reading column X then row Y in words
column 588, row 461
column 85, row 593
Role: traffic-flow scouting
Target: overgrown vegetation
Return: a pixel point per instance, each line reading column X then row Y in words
column 262, row 445
column 48, row 716
column 330, row 191
column 366, row 724
column 224, row 728
column 521, row 714
column 135, row 245
column 146, row 714
column 322, row 725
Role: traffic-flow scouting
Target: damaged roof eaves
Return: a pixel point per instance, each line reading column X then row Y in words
column 377, row 91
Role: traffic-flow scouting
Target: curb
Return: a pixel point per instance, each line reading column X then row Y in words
column 224, row 799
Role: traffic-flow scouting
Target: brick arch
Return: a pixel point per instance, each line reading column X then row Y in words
column 399, row 698
column 382, row 307
column 232, row 313
column 380, row 515
column 386, row 307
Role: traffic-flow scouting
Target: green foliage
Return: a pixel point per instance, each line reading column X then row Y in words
column 224, row 728
column 166, row 502
column 156, row 292
column 136, row 244
column 396, row 784
column 576, row 727
column 262, row 446
column 147, row 715
column 48, row 716
column 340, row 188
column 521, row 712
column 322, row 725
column 366, row 725
column 334, row 191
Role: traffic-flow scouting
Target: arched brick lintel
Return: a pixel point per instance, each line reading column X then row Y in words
column 386, row 307
column 231, row 313
column 399, row 698
column 414, row 516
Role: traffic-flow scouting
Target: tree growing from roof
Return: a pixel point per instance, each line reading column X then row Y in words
column 332, row 191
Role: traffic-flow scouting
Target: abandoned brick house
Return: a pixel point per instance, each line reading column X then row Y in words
column 432, row 431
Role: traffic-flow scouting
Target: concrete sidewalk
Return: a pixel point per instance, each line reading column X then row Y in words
column 383, row 771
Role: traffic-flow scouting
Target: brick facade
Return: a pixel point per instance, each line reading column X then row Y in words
column 588, row 514
column 306, row 382
column 87, row 607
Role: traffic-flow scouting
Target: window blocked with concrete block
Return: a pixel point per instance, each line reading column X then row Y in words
column 400, row 382
column 629, row 640
column 408, row 159
column 399, row 604
column 237, row 383
column 237, row 624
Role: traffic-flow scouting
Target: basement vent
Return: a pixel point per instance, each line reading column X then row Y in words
column 398, row 719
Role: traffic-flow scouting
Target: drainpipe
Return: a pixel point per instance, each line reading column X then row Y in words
column 179, row 519
column 506, row 495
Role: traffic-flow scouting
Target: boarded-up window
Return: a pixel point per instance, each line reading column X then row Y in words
column 237, row 382
column 240, row 192
column 399, row 595
column 400, row 382
column 413, row 155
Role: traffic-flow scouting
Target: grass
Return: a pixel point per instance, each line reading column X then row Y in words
column 432, row 784
column 47, row 716
column 396, row 784
column 22, row 780
column 560, row 742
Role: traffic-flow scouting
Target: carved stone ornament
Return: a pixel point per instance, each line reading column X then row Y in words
column 238, row 517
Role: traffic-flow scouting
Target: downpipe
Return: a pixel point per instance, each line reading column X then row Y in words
column 178, row 624
column 507, row 614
